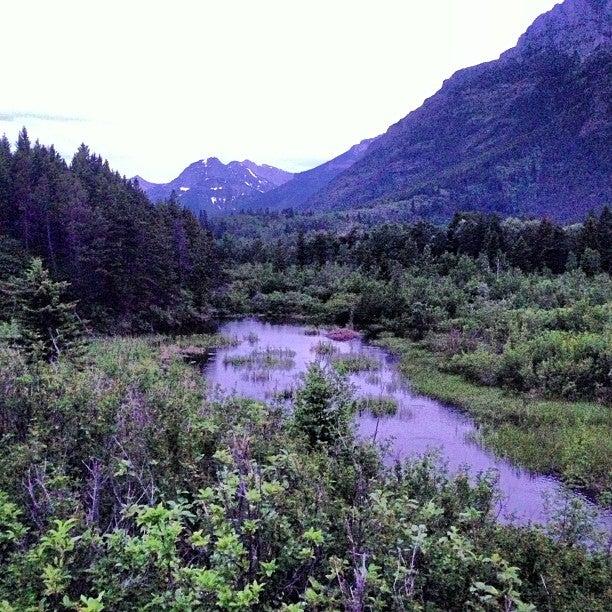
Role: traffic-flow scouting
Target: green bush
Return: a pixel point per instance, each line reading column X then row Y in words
column 559, row 364
column 125, row 488
column 481, row 366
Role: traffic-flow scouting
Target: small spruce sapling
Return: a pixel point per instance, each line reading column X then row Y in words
column 48, row 324
column 323, row 406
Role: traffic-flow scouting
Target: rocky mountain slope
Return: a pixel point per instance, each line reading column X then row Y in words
column 527, row 134
column 297, row 192
column 212, row 186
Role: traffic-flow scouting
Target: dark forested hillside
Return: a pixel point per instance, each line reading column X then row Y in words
column 528, row 134
column 130, row 264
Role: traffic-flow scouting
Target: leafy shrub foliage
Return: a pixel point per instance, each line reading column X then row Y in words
column 123, row 488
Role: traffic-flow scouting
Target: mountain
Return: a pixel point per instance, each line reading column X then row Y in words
column 276, row 176
column 302, row 186
column 212, row 186
column 527, row 134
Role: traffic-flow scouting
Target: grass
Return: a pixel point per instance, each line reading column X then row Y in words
column 268, row 359
column 571, row 440
column 354, row 362
column 324, row 348
column 194, row 349
column 378, row 406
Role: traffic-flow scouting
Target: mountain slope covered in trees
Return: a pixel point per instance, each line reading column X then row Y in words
column 130, row 264
column 527, row 134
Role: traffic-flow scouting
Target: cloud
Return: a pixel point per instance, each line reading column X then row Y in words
column 21, row 115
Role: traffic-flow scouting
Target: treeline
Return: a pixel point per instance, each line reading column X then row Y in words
column 131, row 265
column 518, row 304
column 529, row 245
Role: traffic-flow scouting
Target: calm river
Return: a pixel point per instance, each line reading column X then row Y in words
column 420, row 424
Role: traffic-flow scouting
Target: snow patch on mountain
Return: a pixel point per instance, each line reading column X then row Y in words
column 197, row 183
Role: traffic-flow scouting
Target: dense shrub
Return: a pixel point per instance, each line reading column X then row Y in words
column 531, row 333
column 559, row 364
column 123, row 488
column 481, row 366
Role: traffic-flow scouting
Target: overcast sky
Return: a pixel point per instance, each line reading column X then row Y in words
column 154, row 85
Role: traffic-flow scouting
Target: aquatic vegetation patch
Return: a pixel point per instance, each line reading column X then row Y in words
column 252, row 338
column 258, row 376
column 324, row 348
column 270, row 358
column 373, row 378
column 355, row 362
column 378, row 406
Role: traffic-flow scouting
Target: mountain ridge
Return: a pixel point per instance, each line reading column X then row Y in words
column 209, row 185
column 573, row 26
column 297, row 192
column 526, row 133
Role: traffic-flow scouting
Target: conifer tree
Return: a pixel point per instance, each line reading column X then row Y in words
column 6, row 214
column 520, row 253
column 605, row 238
column 48, row 325
column 589, row 237
column 322, row 406
column 590, row 261
column 552, row 246
column 22, row 185
column 300, row 250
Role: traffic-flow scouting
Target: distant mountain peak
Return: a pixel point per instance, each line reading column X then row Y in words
column 212, row 186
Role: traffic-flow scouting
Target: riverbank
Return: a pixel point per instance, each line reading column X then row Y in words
column 124, row 485
column 570, row 440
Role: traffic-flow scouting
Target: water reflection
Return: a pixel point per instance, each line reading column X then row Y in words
column 269, row 360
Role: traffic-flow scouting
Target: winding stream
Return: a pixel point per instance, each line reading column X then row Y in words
column 420, row 424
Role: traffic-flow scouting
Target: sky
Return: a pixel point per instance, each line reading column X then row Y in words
column 155, row 85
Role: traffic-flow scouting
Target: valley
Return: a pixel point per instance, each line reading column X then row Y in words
column 380, row 383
